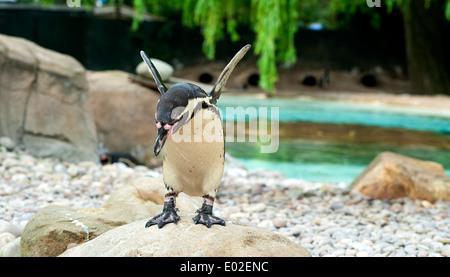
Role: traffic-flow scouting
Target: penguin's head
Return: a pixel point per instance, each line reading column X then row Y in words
column 178, row 104
column 105, row 158
column 175, row 108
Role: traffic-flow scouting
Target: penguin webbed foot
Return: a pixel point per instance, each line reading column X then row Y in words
column 168, row 215
column 205, row 216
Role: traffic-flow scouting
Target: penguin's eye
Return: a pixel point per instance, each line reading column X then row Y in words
column 174, row 121
column 178, row 113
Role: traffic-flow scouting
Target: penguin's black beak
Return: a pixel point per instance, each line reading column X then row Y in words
column 160, row 140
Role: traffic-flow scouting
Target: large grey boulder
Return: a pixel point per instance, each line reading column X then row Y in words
column 55, row 227
column 44, row 102
column 124, row 114
column 165, row 70
column 118, row 229
column 185, row 239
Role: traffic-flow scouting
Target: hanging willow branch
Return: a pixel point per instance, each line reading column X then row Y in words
column 275, row 24
column 273, row 21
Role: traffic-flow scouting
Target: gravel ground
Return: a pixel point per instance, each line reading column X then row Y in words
column 327, row 219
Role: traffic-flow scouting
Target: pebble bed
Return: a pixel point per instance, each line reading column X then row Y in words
column 328, row 220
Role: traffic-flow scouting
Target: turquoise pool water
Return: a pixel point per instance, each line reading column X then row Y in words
column 335, row 160
column 340, row 112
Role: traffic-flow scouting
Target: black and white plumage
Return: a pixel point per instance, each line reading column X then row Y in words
column 119, row 157
column 190, row 130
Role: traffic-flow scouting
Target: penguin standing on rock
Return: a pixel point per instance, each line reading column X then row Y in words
column 190, row 127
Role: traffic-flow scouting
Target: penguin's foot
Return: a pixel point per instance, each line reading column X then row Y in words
column 168, row 215
column 205, row 216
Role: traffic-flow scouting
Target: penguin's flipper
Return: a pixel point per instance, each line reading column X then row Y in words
column 154, row 72
column 223, row 78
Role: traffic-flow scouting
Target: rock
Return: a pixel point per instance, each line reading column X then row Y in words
column 7, row 227
column 11, row 249
column 44, row 102
column 187, row 239
column 8, row 143
column 444, row 240
column 5, row 238
column 336, row 206
column 54, row 227
column 165, row 70
column 279, row 222
column 445, row 251
column 362, row 254
column 391, row 176
column 255, row 208
column 124, row 114
column 150, row 191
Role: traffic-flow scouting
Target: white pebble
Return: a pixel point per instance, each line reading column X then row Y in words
column 255, row 208
column 445, row 251
column 362, row 254
column 326, row 219
column 11, row 249
column 5, row 238
column 7, row 227
column 279, row 222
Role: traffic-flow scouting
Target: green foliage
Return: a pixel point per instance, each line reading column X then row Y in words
column 342, row 13
column 447, row 10
column 391, row 3
column 275, row 22
column 209, row 14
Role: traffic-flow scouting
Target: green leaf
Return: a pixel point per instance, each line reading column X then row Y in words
column 447, row 10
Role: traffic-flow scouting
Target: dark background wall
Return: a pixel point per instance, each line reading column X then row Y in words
column 101, row 44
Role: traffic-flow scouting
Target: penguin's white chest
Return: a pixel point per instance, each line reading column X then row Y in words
column 194, row 156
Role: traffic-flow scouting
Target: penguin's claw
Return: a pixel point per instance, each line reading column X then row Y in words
column 168, row 215
column 205, row 217
column 163, row 218
column 208, row 220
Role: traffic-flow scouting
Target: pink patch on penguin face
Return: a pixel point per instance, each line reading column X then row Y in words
column 170, row 128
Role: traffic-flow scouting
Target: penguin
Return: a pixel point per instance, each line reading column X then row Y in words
column 324, row 79
column 116, row 157
column 190, row 130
